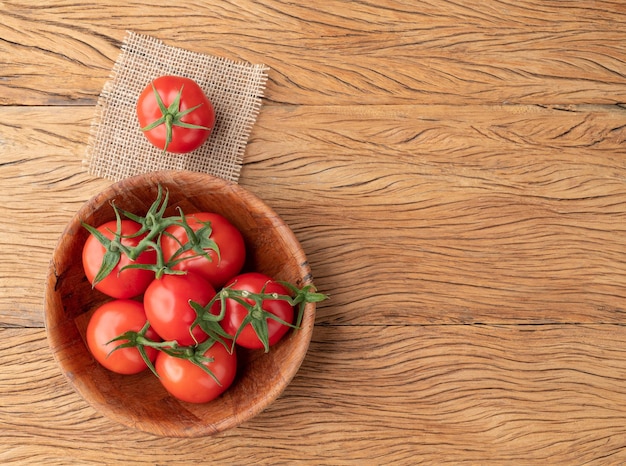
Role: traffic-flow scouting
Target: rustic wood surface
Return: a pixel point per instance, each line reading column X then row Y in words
column 457, row 177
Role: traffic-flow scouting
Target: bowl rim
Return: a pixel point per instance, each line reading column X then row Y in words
column 115, row 412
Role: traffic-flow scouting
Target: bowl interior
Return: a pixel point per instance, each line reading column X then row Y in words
column 140, row 401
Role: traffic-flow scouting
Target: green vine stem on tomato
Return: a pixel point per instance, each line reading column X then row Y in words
column 105, row 260
column 139, row 340
column 152, row 227
column 209, row 322
column 184, row 123
column 113, row 249
column 155, row 223
column 257, row 317
column 197, row 241
column 192, row 353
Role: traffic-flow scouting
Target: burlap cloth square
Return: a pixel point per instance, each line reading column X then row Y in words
column 117, row 148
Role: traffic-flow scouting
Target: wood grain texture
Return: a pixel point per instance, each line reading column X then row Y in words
column 41, row 152
column 419, row 189
column 455, row 394
column 346, row 53
column 455, row 173
column 490, row 214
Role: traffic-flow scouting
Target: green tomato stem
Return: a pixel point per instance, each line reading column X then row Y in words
column 171, row 116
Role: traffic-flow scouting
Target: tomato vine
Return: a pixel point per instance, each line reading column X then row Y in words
column 153, row 225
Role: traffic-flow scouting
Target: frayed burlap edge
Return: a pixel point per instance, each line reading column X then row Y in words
column 117, row 149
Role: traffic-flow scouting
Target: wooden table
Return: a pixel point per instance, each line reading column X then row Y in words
column 457, row 177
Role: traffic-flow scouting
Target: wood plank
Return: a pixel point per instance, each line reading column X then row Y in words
column 342, row 53
column 378, row 394
column 44, row 184
column 553, row 179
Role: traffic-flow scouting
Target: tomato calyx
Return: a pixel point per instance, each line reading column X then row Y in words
column 152, row 224
column 133, row 339
column 257, row 316
column 196, row 355
column 209, row 322
column 197, row 241
column 113, row 249
column 172, row 116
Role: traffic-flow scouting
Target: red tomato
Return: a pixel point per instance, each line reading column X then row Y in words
column 229, row 241
column 129, row 282
column 188, row 382
column 111, row 320
column 235, row 313
column 184, row 118
column 167, row 306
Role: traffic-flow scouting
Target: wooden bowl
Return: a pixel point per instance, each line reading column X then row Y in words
column 139, row 401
